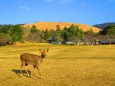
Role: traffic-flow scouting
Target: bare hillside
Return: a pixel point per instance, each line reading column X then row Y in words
column 52, row 25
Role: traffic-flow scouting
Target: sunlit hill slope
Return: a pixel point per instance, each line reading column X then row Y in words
column 52, row 25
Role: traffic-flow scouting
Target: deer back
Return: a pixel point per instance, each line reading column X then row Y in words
column 30, row 58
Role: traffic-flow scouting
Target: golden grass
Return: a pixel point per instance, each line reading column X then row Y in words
column 52, row 25
column 63, row 66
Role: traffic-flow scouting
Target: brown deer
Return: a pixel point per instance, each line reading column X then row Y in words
column 35, row 60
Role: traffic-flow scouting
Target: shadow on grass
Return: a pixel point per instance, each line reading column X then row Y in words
column 17, row 72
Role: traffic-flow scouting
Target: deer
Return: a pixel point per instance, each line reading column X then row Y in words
column 35, row 60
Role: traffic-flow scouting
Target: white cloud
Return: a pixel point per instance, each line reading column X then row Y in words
column 25, row 7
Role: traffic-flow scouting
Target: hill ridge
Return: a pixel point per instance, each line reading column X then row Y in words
column 103, row 25
column 52, row 25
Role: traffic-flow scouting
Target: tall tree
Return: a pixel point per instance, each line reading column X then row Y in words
column 35, row 34
column 5, row 29
column 109, row 31
column 72, row 31
column 4, row 38
column 17, row 33
column 46, row 34
column 90, row 37
column 58, row 28
column 33, row 29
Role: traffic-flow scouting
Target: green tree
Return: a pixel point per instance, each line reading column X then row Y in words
column 5, row 29
column 4, row 38
column 109, row 31
column 90, row 37
column 58, row 28
column 46, row 34
column 89, row 32
column 17, row 33
column 33, row 29
column 35, row 34
column 52, row 33
column 57, row 34
column 72, row 31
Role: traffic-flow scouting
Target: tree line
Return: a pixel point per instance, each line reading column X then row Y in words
column 10, row 34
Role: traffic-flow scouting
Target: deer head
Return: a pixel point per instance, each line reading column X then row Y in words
column 43, row 52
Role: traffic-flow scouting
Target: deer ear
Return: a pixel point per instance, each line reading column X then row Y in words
column 47, row 49
column 40, row 50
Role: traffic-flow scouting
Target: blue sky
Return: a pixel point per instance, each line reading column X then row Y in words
column 89, row 12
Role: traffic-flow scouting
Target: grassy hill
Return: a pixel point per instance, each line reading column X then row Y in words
column 52, row 25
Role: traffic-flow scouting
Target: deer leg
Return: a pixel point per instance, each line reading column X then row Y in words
column 27, row 72
column 26, row 69
column 33, row 71
column 38, row 71
column 22, row 64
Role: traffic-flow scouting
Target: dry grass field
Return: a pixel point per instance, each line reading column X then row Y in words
column 52, row 25
column 63, row 66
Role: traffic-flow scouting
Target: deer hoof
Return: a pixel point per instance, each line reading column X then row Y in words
column 32, row 76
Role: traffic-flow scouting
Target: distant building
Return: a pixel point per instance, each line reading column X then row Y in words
column 69, row 43
column 106, row 41
column 52, row 40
